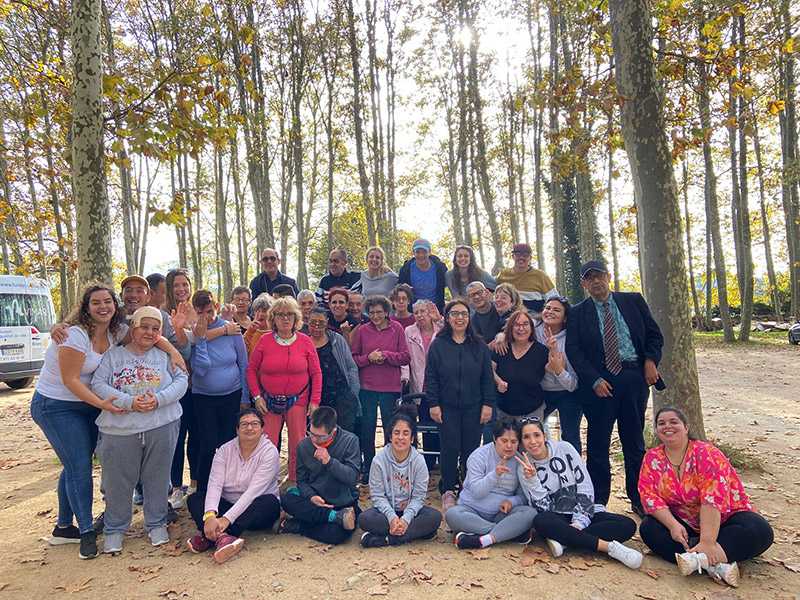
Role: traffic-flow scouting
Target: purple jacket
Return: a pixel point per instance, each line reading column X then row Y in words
column 392, row 342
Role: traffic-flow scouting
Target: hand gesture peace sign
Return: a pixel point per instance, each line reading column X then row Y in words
column 527, row 468
column 501, row 467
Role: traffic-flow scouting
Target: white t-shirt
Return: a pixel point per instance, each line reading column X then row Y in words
column 50, row 383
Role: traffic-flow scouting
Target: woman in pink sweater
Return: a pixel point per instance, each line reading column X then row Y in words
column 284, row 376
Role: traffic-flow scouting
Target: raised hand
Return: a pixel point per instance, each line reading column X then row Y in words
column 501, row 467
column 527, row 468
column 227, row 311
column 180, row 316
column 433, row 311
column 201, row 327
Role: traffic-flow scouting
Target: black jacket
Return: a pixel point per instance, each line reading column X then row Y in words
column 405, row 277
column 261, row 284
column 453, row 375
column 336, row 481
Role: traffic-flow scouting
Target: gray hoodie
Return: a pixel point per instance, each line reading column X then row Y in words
column 484, row 490
column 398, row 487
column 127, row 375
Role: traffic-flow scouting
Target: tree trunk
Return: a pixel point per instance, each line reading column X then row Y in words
column 298, row 74
column 88, row 156
column 556, row 198
column 688, row 219
column 657, row 201
column 612, row 228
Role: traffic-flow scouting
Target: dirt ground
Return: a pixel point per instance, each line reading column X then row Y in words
column 750, row 399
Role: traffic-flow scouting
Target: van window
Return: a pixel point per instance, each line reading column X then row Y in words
column 25, row 310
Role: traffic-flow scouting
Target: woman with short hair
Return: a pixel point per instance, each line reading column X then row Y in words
column 258, row 325
column 241, row 298
column 284, row 376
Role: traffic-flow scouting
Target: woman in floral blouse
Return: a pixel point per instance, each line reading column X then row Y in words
column 698, row 513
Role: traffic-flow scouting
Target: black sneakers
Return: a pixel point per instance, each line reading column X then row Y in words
column 88, row 545
column 374, row 540
column 67, row 535
column 468, row 541
column 286, row 525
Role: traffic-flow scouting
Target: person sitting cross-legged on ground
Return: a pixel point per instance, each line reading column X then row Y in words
column 557, row 484
column 325, row 502
column 242, row 490
column 398, row 484
column 698, row 514
column 492, row 508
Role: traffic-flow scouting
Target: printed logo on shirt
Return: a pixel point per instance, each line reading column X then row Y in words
column 138, row 377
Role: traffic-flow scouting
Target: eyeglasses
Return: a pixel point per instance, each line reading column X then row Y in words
column 318, row 437
column 250, row 425
column 283, row 315
column 525, row 325
column 458, row 313
column 376, row 313
column 269, row 259
column 240, row 300
column 593, row 276
column 476, row 294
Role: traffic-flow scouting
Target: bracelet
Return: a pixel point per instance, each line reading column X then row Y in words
column 209, row 514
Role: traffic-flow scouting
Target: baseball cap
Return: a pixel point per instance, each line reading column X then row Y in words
column 421, row 243
column 593, row 265
column 522, row 248
column 146, row 312
column 132, row 279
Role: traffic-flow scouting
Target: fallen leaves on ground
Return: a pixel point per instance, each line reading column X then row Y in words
column 321, row 548
column 175, row 531
column 653, row 574
column 146, row 573
column 176, row 593
column 42, row 513
column 175, row 548
column 468, row 585
column 533, row 554
column 378, row 590
column 792, row 564
column 481, row 554
column 578, row 564
column 74, row 585
column 393, row 572
column 416, row 550
column 554, row 569
column 645, row 597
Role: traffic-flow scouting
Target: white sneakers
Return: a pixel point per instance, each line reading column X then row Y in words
column 556, row 548
column 689, row 562
column 177, row 498
column 627, row 556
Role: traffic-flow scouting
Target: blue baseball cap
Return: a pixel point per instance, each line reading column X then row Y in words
column 421, row 243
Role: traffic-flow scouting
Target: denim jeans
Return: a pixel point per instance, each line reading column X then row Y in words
column 370, row 401
column 570, row 412
column 70, row 428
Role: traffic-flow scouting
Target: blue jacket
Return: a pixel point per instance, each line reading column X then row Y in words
column 219, row 367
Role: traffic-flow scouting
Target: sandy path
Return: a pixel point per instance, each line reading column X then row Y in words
column 751, row 399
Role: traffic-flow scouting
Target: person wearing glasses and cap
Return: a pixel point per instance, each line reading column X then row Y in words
column 324, row 505
column 425, row 273
column 533, row 284
column 270, row 276
column 614, row 344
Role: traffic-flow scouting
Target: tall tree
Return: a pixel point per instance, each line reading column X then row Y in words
column 658, row 203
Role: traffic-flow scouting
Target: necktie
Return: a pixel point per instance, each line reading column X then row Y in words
column 613, row 362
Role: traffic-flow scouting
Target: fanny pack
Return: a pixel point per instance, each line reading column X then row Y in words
column 280, row 404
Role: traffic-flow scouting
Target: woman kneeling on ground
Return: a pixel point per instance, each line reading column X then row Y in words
column 492, row 507
column 242, row 490
column 398, row 484
column 698, row 513
column 556, row 482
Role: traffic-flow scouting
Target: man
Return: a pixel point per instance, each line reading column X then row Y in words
column 425, row 274
column 614, row 345
column 158, row 289
column 284, row 289
column 534, row 285
column 355, row 306
column 338, row 276
column 485, row 318
column 307, row 301
column 325, row 502
column 270, row 275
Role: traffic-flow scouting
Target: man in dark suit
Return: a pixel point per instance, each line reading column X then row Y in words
column 614, row 345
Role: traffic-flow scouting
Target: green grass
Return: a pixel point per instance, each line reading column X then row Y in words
column 709, row 339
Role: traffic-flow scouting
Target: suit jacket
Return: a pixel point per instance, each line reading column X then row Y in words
column 584, row 346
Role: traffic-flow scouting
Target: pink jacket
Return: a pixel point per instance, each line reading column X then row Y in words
column 415, row 371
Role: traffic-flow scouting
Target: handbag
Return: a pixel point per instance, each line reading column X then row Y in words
column 281, row 404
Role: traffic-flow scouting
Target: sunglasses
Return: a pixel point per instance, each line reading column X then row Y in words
column 269, row 259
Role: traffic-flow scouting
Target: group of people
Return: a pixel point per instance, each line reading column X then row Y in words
column 137, row 378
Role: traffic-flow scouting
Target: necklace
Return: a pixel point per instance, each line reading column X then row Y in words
column 680, row 462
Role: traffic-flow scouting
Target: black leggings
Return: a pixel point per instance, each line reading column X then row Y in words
column 743, row 535
column 426, row 522
column 261, row 514
column 604, row 526
column 216, row 420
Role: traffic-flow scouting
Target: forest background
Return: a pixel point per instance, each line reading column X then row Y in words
column 236, row 125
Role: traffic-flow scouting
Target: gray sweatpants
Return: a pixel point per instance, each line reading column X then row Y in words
column 502, row 527
column 129, row 459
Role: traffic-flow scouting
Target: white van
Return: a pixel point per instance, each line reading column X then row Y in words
column 26, row 315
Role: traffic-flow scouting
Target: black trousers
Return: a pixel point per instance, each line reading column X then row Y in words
column 604, row 526
column 743, row 535
column 426, row 522
column 314, row 519
column 189, row 429
column 216, row 420
column 459, row 435
column 626, row 407
column 261, row 514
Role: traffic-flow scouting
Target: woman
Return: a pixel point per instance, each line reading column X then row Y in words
column 699, row 515
column 398, row 484
column 219, row 383
column 240, row 298
column 419, row 337
column 258, row 325
column 66, row 409
column 402, row 299
column 378, row 279
column 492, row 508
column 339, row 320
column 465, row 270
column 460, row 389
column 519, row 371
column 284, row 377
column 379, row 350
column 339, row 372
column 560, row 382
column 557, row 484
column 137, row 447
column 242, row 490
